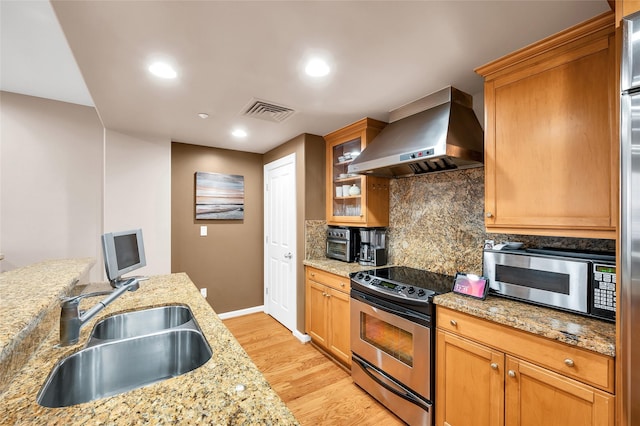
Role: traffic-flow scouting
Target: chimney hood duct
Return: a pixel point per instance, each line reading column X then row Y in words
column 444, row 135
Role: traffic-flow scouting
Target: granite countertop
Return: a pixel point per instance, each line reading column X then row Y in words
column 29, row 307
column 588, row 333
column 205, row 395
column 593, row 334
column 338, row 267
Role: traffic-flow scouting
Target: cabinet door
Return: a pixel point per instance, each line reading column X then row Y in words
column 550, row 156
column 339, row 320
column 469, row 383
column 538, row 397
column 316, row 312
column 366, row 204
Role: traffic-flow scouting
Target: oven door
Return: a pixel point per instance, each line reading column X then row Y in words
column 398, row 346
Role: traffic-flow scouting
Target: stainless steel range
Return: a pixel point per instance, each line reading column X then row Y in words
column 393, row 338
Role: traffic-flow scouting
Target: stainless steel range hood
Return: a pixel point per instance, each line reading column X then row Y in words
column 444, row 135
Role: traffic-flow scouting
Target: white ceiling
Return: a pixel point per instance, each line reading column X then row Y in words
column 383, row 54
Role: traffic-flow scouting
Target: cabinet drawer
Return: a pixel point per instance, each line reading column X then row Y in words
column 583, row 365
column 331, row 280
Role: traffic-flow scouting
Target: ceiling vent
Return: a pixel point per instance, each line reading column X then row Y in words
column 268, row 111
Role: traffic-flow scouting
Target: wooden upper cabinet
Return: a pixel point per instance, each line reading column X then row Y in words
column 551, row 156
column 625, row 8
column 369, row 207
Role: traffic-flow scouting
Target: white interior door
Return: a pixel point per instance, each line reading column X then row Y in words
column 280, row 240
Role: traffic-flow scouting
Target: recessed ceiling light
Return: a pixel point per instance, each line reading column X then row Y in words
column 162, row 70
column 203, row 115
column 317, row 68
column 239, row 133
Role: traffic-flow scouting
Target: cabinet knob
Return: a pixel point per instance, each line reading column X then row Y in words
column 313, row 274
column 328, row 295
column 453, row 323
column 511, row 373
column 494, row 365
column 569, row 362
column 341, row 284
column 324, row 294
column 489, row 214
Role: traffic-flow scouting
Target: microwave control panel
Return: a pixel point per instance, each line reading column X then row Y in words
column 604, row 288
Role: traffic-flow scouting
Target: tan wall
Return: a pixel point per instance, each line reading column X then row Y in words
column 137, row 193
column 228, row 262
column 310, row 166
column 50, row 181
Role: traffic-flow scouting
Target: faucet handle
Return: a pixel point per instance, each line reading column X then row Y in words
column 74, row 300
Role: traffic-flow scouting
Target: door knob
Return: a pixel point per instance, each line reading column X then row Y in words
column 569, row 362
column 494, row 365
column 288, row 256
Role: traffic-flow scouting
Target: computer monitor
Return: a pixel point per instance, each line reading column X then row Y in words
column 123, row 252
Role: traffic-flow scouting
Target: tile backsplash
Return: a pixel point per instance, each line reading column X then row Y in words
column 437, row 223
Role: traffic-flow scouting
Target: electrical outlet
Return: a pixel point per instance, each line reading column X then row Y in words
column 203, row 231
column 203, row 292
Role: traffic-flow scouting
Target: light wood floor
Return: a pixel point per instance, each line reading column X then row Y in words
column 316, row 390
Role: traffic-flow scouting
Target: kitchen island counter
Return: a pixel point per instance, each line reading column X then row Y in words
column 209, row 395
column 588, row 333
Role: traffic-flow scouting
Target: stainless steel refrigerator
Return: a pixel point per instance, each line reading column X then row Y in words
column 629, row 276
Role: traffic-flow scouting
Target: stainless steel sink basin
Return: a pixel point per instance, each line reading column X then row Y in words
column 119, row 366
column 141, row 322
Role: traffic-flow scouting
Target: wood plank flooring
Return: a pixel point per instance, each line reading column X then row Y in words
column 315, row 389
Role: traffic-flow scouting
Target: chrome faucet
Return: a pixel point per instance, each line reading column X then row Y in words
column 72, row 319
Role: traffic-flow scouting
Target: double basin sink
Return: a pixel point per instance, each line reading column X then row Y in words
column 125, row 352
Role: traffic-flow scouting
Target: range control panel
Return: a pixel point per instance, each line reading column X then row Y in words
column 397, row 289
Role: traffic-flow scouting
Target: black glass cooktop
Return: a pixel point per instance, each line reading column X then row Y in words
column 437, row 283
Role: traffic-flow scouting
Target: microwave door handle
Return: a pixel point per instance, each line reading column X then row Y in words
column 402, row 393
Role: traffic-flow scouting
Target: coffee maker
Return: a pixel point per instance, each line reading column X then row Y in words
column 373, row 246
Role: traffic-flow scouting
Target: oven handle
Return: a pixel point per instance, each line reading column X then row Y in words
column 404, row 314
column 407, row 395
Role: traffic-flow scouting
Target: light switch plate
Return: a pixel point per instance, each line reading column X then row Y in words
column 203, row 231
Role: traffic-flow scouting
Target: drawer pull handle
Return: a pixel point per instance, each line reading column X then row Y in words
column 511, row 373
column 453, row 323
column 569, row 362
column 494, row 365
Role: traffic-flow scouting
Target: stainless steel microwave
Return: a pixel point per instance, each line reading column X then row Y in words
column 581, row 282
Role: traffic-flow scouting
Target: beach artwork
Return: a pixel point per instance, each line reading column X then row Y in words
column 219, row 196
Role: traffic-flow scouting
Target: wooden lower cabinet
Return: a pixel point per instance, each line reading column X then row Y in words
column 478, row 383
column 469, row 391
column 537, row 396
column 327, row 313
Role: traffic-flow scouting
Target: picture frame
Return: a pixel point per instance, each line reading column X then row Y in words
column 219, row 196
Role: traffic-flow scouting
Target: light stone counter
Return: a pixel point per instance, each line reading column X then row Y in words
column 338, row 267
column 30, row 306
column 596, row 335
column 206, row 395
column 593, row 334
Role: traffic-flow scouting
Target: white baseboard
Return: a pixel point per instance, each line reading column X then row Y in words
column 304, row 338
column 241, row 312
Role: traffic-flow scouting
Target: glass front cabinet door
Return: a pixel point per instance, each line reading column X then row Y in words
column 354, row 200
